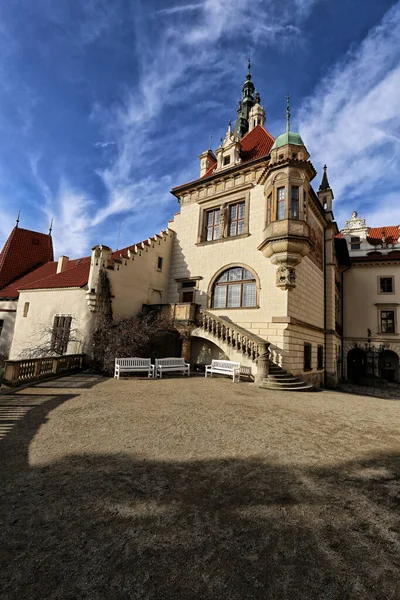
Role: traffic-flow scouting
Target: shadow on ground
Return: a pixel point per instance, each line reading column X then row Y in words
column 119, row 526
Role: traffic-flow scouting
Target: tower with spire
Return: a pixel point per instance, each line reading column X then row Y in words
column 325, row 195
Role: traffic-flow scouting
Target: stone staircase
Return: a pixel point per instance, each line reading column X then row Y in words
column 238, row 344
column 280, row 380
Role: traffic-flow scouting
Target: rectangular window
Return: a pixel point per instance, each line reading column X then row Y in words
column 249, row 294
column 1, row 325
column 387, row 321
column 187, row 296
column 294, row 207
column 269, row 208
column 386, row 285
column 26, row 309
column 280, row 213
column 187, row 291
column 320, row 357
column 159, row 263
column 213, row 221
column 355, row 243
column 227, row 160
column 307, row 356
column 236, row 219
column 220, row 296
column 60, row 334
column 234, row 295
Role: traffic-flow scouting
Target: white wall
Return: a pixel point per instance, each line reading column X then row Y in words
column 44, row 305
column 8, row 311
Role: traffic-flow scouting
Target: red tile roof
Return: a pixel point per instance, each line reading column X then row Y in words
column 375, row 234
column 257, row 143
column 23, row 251
column 11, row 290
column 212, row 166
column 391, row 233
column 75, row 275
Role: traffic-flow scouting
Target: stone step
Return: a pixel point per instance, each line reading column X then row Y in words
column 283, row 379
column 300, row 387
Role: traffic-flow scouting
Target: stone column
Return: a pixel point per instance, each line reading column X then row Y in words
column 186, row 347
column 262, row 365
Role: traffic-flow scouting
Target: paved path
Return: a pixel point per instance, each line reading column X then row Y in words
column 197, row 489
column 391, row 392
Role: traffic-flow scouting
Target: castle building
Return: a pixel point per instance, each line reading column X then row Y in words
column 253, row 265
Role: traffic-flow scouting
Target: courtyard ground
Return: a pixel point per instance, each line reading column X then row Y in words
column 197, row 489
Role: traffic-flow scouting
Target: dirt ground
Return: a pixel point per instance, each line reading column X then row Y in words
column 197, row 489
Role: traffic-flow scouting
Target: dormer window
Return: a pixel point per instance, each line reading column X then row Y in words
column 227, row 160
column 355, row 243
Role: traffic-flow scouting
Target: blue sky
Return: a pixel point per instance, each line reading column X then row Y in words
column 105, row 105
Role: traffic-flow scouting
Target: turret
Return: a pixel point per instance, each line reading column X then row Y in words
column 286, row 186
column 257, row 113
column 325, row 195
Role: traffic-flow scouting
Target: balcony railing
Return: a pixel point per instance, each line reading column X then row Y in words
column 33, row 369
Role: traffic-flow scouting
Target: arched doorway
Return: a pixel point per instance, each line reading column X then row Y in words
column 356, row 364
column 389, row 365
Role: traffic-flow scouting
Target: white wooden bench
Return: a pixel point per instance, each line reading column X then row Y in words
column 224, row 367
column 133, row 365
column 163, row 365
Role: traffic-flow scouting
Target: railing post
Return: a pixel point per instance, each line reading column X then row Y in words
column 55, row 366
column 11, row 371
column 38, row 364
column 262, row 363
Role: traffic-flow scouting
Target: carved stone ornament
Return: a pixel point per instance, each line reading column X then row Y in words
column 355, row 222
column 285, row 277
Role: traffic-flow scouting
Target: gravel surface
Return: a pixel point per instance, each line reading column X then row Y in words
column 197, row 489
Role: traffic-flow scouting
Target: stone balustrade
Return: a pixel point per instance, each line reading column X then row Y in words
column 234, row 336
column 33, row 369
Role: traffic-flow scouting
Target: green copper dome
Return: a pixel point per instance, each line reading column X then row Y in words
column 288, row 138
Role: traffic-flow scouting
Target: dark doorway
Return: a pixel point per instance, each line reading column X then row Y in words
column 356, row 364
column 389, row 366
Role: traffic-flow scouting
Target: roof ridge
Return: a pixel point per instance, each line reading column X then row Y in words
column 256, row 127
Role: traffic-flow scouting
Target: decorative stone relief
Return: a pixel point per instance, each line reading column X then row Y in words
column 285, row 277
column 355, row 222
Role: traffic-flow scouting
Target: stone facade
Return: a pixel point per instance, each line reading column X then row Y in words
column 259, row 254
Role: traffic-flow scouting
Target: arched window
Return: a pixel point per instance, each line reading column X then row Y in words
column 234, row 288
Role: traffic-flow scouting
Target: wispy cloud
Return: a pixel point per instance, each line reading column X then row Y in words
column 178, row 66
column 70, row 210
column 352, row 122
column 173, row 10
column 104, row 144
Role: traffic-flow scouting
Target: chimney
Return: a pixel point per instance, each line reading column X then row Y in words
column 207, row 158
column 62, row 264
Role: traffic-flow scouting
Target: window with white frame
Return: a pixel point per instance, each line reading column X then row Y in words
column 235, row 288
